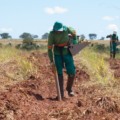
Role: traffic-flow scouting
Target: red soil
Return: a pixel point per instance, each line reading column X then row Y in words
column 32, row 99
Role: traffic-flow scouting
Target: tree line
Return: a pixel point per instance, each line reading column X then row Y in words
column 25, row 35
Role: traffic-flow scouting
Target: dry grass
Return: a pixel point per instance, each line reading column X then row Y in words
column 14, row 67
column 19, row 41
column 97, row 67
column 100, row 73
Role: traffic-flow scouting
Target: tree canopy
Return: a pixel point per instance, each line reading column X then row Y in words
column 5, row 35
column 92, row 36
column 27, row 37
column 82, row 37
column 45, row 36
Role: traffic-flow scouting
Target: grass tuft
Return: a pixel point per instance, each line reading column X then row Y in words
column 97, row 66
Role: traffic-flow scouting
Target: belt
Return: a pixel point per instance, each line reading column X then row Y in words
column 62, row 45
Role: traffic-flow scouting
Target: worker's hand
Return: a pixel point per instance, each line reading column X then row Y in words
column 53, row 68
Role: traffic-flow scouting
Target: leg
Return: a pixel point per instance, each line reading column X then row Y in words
column 114, row 54
column 114, row 49
column 61, row 84
column 69, row 63
column 58, row 63
column 111, row 50
column 70, row 84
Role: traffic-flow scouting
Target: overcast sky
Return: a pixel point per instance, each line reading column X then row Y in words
column 38, row 16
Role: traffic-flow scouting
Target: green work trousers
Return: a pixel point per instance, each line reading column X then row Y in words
column 113, row 47
column 68, row 61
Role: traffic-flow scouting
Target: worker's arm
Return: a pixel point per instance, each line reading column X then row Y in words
column 50, row 47
column 74, row 36
column 117, row 38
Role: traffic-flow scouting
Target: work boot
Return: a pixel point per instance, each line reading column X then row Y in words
column 70, row 84
column 114, row 54
column 61, row 84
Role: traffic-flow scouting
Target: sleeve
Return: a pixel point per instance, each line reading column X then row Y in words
column 50, row 47
column 117, row 38
column 74, row 36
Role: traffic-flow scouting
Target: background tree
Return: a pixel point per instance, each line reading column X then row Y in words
column 28, row 43
column 27, row 38
column 45, row 36
column 82, row 37
column 26, row 35
column 5, row 36
column 35, row 36
column 92, row 36
column 102, row 38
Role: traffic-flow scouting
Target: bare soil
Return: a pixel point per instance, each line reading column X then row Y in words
column 33, row 99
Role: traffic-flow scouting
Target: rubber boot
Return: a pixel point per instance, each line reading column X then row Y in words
column 114, row 55
column 61, row 84
column 70, row 84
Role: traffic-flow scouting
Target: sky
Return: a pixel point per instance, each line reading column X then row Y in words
column 38, row 16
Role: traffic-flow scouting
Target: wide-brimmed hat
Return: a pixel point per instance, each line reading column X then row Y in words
column 58, row 26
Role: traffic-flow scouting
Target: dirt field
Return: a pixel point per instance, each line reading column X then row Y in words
column 33, row 99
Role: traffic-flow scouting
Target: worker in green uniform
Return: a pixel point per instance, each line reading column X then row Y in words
column 58, row 42
column 113, row 44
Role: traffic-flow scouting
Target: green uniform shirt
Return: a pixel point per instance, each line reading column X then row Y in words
column 114, row 38
column 60, row 38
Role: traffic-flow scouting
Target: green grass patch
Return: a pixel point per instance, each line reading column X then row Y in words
column 97, row 66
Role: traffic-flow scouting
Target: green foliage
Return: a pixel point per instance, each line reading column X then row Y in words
column 102, row 38
column 27, row 40
column 35, row 36
column 32, row 46
column 100, row 48
column 26, row 36
column 92, row 36
column 28, row 43
column 45, row 36
column 5, row 35
column 82, row 37
column 29, row 46
column 26, row 46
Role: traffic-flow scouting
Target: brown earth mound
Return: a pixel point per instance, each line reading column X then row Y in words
column 32, row 99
